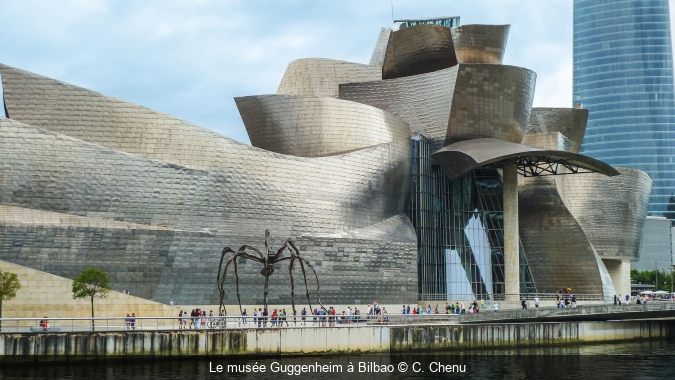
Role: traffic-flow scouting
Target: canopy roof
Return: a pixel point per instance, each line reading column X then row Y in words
column 462, row 157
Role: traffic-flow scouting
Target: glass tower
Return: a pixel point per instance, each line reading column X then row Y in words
column 623, row 73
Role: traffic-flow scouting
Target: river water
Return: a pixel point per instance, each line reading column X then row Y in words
column 633, row 360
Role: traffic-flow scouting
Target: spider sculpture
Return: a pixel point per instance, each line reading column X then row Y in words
column 268, row 260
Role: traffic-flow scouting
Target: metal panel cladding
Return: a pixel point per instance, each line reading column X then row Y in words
column 623, row 73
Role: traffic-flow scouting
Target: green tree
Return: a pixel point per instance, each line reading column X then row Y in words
column 9, row 285
column 92, row 283
column 649, row 277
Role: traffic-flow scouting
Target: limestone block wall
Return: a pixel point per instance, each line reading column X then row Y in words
column 350, row 270
column 619, row 270
column 43, row 294
column 377, row 58
column 133, row 255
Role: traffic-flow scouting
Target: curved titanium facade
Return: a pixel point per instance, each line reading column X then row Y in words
column 458, row 103
column 570, row 122
column 623, row 73
column 559, row 253
column 88, row 180
column 462, row 157
column 490, row 101
column 321, row 77
column 480, row 43
column 424, row 100
column 611, row 210
column 220, row 191
column 315, row 127
column 417, row 50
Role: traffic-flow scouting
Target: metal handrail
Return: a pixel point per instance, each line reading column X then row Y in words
column 83, row 324
column 422, row 297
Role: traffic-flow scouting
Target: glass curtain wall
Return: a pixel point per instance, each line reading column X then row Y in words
column 623, row 74
column 460, row 231
column 448, row 22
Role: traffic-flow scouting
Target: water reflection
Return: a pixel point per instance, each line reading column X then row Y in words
column 635, row 360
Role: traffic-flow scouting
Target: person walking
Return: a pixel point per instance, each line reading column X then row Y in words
column 523, row 302
column 536, row 303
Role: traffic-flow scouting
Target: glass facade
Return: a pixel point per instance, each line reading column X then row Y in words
column 623, row 73
column 460, row 231
column 448, row 22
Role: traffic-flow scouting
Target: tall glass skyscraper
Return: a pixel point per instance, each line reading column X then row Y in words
column 623, row 73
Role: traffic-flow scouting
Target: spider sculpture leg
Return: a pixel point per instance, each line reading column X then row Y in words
column 316, row 276
column 290, row 271
column 219, row 284
column 267, row 280
column 236, row 276
column 221, row 281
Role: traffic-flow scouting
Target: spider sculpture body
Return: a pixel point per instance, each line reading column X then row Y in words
column 288, row 252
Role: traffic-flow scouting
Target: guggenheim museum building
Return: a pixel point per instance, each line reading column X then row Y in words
column 423, row 175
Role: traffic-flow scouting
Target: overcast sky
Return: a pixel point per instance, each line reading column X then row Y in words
column 189, row 58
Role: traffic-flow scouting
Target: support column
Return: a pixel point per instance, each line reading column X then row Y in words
column 511, row 236
column 619, row 271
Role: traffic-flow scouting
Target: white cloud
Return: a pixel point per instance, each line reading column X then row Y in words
column 189, row 58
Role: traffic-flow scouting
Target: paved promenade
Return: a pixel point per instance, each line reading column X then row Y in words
column 605, row 312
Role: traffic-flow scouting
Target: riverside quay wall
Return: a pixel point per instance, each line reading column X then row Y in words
column 17, row 348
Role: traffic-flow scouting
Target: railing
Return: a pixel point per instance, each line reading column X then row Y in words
column 506, row 297
column 22, row 325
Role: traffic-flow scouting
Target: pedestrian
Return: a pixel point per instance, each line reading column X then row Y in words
column 523, row 302
column 180, row 319
column 488, row 302
column 429, row 309
column 536, row 302
column 243, row 316
column 274, row 317
column 497, row 308
column 133, row 321
column 436, row 311
column 482, row 303
column 284, row 317
column 304, row 316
